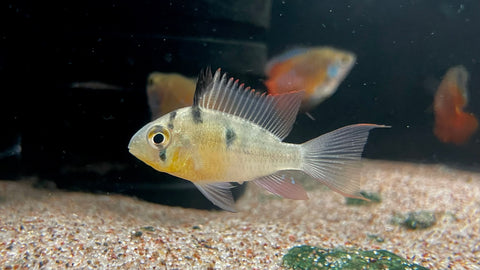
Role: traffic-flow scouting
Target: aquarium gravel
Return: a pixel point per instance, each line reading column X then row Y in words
column 51, row 228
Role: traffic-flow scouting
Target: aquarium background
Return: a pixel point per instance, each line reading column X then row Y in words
column 403, row 49
column 77, row 137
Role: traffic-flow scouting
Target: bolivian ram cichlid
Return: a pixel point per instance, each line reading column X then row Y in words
column 234, row 134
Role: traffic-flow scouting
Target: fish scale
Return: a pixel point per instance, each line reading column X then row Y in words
column 245, row 159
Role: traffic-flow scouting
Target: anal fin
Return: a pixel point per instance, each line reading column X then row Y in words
column 283, row 184
column 219, row 194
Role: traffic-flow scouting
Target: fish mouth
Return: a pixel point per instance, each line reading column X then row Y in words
column 137, row 147
column 131, row 143
column 130, row 147
column 134, row 145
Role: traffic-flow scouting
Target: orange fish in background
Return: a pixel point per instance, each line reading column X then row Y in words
column 317, row 70
column 168, row 91
column 452, row 124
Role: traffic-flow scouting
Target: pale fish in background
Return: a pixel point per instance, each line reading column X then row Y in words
column 452, row 124
column 95, row 85
column 14, row 150
column 168, row 91
column 317, row 70
column 234, row 134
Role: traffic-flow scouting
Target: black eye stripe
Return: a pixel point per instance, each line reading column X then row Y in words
column 171, row 118
column 163, row 154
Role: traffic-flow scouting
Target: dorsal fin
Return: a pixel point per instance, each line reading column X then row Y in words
column 205, row 78
column 275, row 113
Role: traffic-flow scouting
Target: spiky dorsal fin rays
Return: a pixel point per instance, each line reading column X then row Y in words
column 204, row 80
column 274, row 113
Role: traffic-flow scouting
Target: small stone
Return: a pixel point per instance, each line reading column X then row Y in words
column 136, row 234
column 148, row 228
column 376, row 237
column 419, row 220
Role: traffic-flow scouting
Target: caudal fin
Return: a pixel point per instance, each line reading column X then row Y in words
column 333, row 158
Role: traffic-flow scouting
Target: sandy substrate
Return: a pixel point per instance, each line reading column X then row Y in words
column 58, row 229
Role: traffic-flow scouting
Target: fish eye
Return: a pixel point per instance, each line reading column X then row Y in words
column 159, row 137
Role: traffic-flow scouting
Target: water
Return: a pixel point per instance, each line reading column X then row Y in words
column 76, row 138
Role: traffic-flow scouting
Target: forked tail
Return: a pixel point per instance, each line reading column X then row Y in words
column 333, row 158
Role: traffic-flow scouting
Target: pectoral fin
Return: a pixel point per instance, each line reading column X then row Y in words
column 219, row 194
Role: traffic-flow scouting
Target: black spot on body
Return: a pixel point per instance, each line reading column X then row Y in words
column 170, row 120
column 163, row 154
column 230, row 136
column 197, row 115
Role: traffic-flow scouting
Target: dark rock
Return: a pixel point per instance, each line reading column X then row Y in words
column 419, row 220
column 308, row 257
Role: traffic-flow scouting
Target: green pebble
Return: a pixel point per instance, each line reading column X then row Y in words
column 148, row 228
column 398, row 219
column 308, row 257
column 373, row 197
column 419, row 220
column 376, row 237
column 136, row 233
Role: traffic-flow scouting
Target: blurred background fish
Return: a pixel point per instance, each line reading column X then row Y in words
column 14, row 150
column 452, row 124
column 317, row 70
column 96, row 85
column 168, row 91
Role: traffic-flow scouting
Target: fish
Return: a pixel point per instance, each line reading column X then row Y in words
column 95, row 85
column 167, row 92
column 452, row 123
column 232, row 133
column 317, row 70
column 14, row 150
